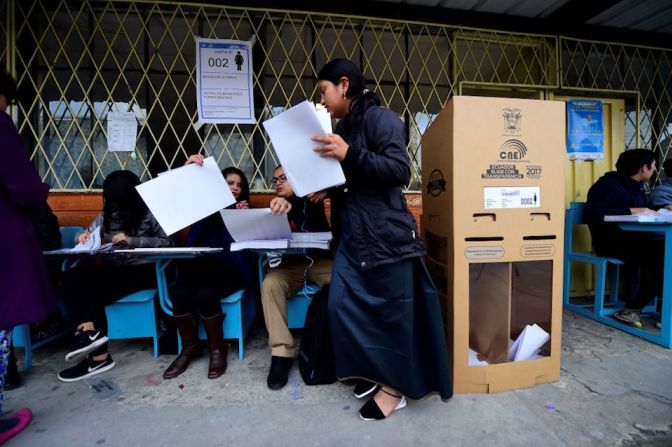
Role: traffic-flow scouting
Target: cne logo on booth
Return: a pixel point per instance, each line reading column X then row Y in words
column 512, row 150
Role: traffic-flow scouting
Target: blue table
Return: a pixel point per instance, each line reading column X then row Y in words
column 665, row 336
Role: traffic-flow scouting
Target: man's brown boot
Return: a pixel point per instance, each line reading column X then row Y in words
column 216, row 344
column 191, row 346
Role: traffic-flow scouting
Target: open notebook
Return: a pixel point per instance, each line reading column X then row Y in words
column 318, row 241
column 92, row 245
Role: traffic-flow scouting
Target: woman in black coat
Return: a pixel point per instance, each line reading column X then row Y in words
column 384, row 311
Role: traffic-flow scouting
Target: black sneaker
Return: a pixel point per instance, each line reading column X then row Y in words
column 363, row 388
column 279, row 373
column 629, row 316
column 85, row 342
column 86, row 368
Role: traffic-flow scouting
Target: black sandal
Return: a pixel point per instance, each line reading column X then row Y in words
column 364, row 388
column 372, row 412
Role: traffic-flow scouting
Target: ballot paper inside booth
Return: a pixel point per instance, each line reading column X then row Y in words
column 493, row 215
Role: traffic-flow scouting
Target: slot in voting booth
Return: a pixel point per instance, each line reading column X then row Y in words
column 493, row 216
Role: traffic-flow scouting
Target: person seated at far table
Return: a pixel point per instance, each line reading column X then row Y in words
column 97, row 281
column 202, row 282
column 305, row 215
column 622, row 193
column 661, row 196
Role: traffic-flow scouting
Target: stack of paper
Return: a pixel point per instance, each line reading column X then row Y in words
column 259, row 229
column 662, row 217
column 291, row 133
column 528, row 344
column 319, row 240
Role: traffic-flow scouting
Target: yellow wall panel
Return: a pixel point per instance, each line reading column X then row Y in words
column 580, row 176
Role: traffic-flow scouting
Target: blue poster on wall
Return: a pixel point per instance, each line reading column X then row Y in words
column 585, row 132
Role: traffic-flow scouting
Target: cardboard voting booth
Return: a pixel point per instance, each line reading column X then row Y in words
column 493, row 216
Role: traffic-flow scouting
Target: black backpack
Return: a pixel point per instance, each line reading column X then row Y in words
column 316, row 355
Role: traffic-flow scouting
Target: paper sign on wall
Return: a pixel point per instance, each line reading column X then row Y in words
column 122, row 131
column 224, row 81
column 585, row 133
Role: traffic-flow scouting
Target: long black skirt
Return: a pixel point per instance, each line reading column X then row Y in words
column 387, row 328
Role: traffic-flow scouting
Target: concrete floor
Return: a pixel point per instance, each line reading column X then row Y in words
column 615, row 389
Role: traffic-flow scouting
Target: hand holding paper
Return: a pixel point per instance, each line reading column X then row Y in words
column 291, row 133
column 332, row 146
column 186, row 195
column 254, row 224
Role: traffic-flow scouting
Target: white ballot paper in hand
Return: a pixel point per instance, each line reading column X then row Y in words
column 186, row 195
column 92, row 243
column 253, row 228
column 324, row 117
column 291, row 133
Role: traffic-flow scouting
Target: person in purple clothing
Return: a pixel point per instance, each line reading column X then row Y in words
column 26, row 295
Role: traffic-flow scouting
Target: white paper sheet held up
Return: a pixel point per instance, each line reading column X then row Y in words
column 256, row 224
column 186, row 195
column 291, row 133
column 324, row 117
column 122, row 131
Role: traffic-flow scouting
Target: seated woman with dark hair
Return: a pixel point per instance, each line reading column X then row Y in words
column 202, row 282
column 98, row 281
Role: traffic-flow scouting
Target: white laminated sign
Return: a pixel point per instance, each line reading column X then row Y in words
column 511, row 197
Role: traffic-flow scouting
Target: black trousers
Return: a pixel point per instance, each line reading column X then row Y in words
column 643, row 255
column 201, row 284
column 97, row 282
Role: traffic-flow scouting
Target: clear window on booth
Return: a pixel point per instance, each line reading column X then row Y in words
column 510, row 307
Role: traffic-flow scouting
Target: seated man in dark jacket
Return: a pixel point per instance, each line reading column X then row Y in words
column 290, row 276
column 622, row 193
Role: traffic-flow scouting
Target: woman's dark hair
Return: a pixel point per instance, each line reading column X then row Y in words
column 121, row 198
column 8, row 87
column 630, row 161
column 245, row 189
column 361, row 98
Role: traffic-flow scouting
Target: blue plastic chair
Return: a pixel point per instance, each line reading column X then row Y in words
column 21, row 334
column 240, row 313
column 239, row 308
column 573, row 217
column 68, row 235
column 297, row 306
column 134, row 316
